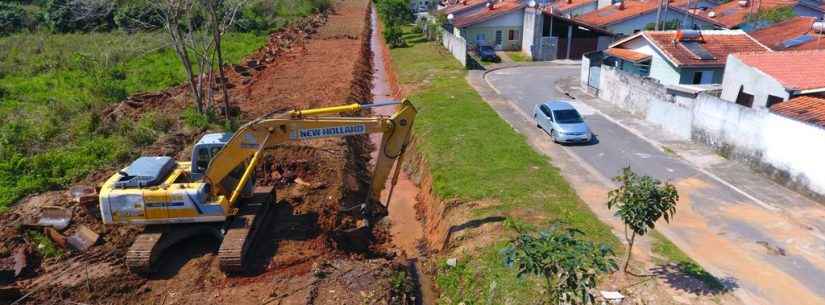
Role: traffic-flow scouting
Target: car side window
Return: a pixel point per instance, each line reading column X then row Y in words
column 546, row 111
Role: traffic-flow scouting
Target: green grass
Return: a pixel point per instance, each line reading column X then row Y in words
column 44, row 245
column 673, row 255
column 52, row 86
column 472, row 155
column 518, row 56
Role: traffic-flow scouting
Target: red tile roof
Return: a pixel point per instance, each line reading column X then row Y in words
column 718, row 43
column 731, row 14
column 612, row 14
column 628, row 55
column 486, row 13
column 775, row 35
column 461, row 5
column 806, row 109
column 796, row 70
column 564, row 5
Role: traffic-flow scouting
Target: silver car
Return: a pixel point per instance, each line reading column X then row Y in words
column 563, row 122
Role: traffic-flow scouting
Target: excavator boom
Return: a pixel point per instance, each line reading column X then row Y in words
column 249, row 143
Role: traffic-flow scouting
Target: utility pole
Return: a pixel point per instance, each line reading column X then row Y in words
column 658, row 15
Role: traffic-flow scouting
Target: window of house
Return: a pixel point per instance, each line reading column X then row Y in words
column 511, row 35
column 702, row 77
column 773, row 100
column 743, row 98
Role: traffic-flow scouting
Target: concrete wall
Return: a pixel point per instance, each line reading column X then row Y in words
column 788, row 151
column 532, row 25
column 456, row 45
column 752, row 81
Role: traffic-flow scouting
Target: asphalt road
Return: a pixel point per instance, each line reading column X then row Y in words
column 760, row 251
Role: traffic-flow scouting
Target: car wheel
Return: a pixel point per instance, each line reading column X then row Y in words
column 553, row 136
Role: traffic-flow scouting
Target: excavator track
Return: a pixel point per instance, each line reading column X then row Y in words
column 147, row 248
column 253, row 214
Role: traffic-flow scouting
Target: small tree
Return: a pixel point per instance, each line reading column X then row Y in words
column 570, row 265
column 640, row 202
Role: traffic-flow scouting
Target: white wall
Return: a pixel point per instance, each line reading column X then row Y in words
column 663, row 71
column 455, row 44
column 752, row 81
column 787, row 150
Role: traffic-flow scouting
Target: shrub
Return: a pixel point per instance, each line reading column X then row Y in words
column 773, row 15
column 569, row 265
column 394, row 36
column 138, row 16
column 11, row 18
column 395, row 12
column 65, row 16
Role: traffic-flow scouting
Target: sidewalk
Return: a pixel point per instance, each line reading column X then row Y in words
column 735, row 174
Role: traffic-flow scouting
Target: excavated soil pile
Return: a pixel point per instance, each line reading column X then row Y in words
column 321, row 61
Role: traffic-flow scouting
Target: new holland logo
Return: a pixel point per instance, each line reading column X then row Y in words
column 338, row 131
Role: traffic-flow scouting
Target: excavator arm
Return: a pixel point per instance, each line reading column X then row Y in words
column 250, row 143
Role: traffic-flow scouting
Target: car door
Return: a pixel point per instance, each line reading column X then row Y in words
column 545, row 118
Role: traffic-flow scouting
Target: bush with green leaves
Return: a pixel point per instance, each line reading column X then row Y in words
column 394, row 37
column 569, row 264
column 770, row 16
column 64, row 16
column 138, row 16
column 12, row 18
column 640, row 202
column 395, row 12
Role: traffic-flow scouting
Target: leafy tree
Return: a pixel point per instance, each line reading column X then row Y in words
column 640, row 202
column 394, row 36
column 11, row 18
column 395, row 12
column 570, row 265
column 138, row 15
column 65, row 16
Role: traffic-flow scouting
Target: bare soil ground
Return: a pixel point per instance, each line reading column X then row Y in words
column 322, row 61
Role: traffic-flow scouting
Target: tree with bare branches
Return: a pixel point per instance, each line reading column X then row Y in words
column 196, row 29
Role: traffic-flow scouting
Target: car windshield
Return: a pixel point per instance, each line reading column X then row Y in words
column 567, row 116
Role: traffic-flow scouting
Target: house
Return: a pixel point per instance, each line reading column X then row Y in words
column 628, row 17
column 572, row 8
column 738, row 14
column 498, row 24
column 806, row 109
column 680, row 57
column 799, row 33
column 763, row 79
column 549, row 36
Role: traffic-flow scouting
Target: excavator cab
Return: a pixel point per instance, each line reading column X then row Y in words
column 207, row 147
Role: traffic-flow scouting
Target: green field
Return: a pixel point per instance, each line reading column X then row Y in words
column 473, row 155
column 54, row 85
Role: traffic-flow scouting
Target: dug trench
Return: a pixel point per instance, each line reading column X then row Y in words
column 299, row 259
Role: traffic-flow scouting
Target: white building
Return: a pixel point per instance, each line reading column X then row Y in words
column 761, row 80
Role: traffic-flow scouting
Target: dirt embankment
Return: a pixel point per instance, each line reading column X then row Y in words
column 322, row 61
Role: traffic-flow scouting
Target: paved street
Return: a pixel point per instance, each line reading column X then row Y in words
column 765, row 241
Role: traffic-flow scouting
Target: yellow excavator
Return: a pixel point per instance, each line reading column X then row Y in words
column 215, row 194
